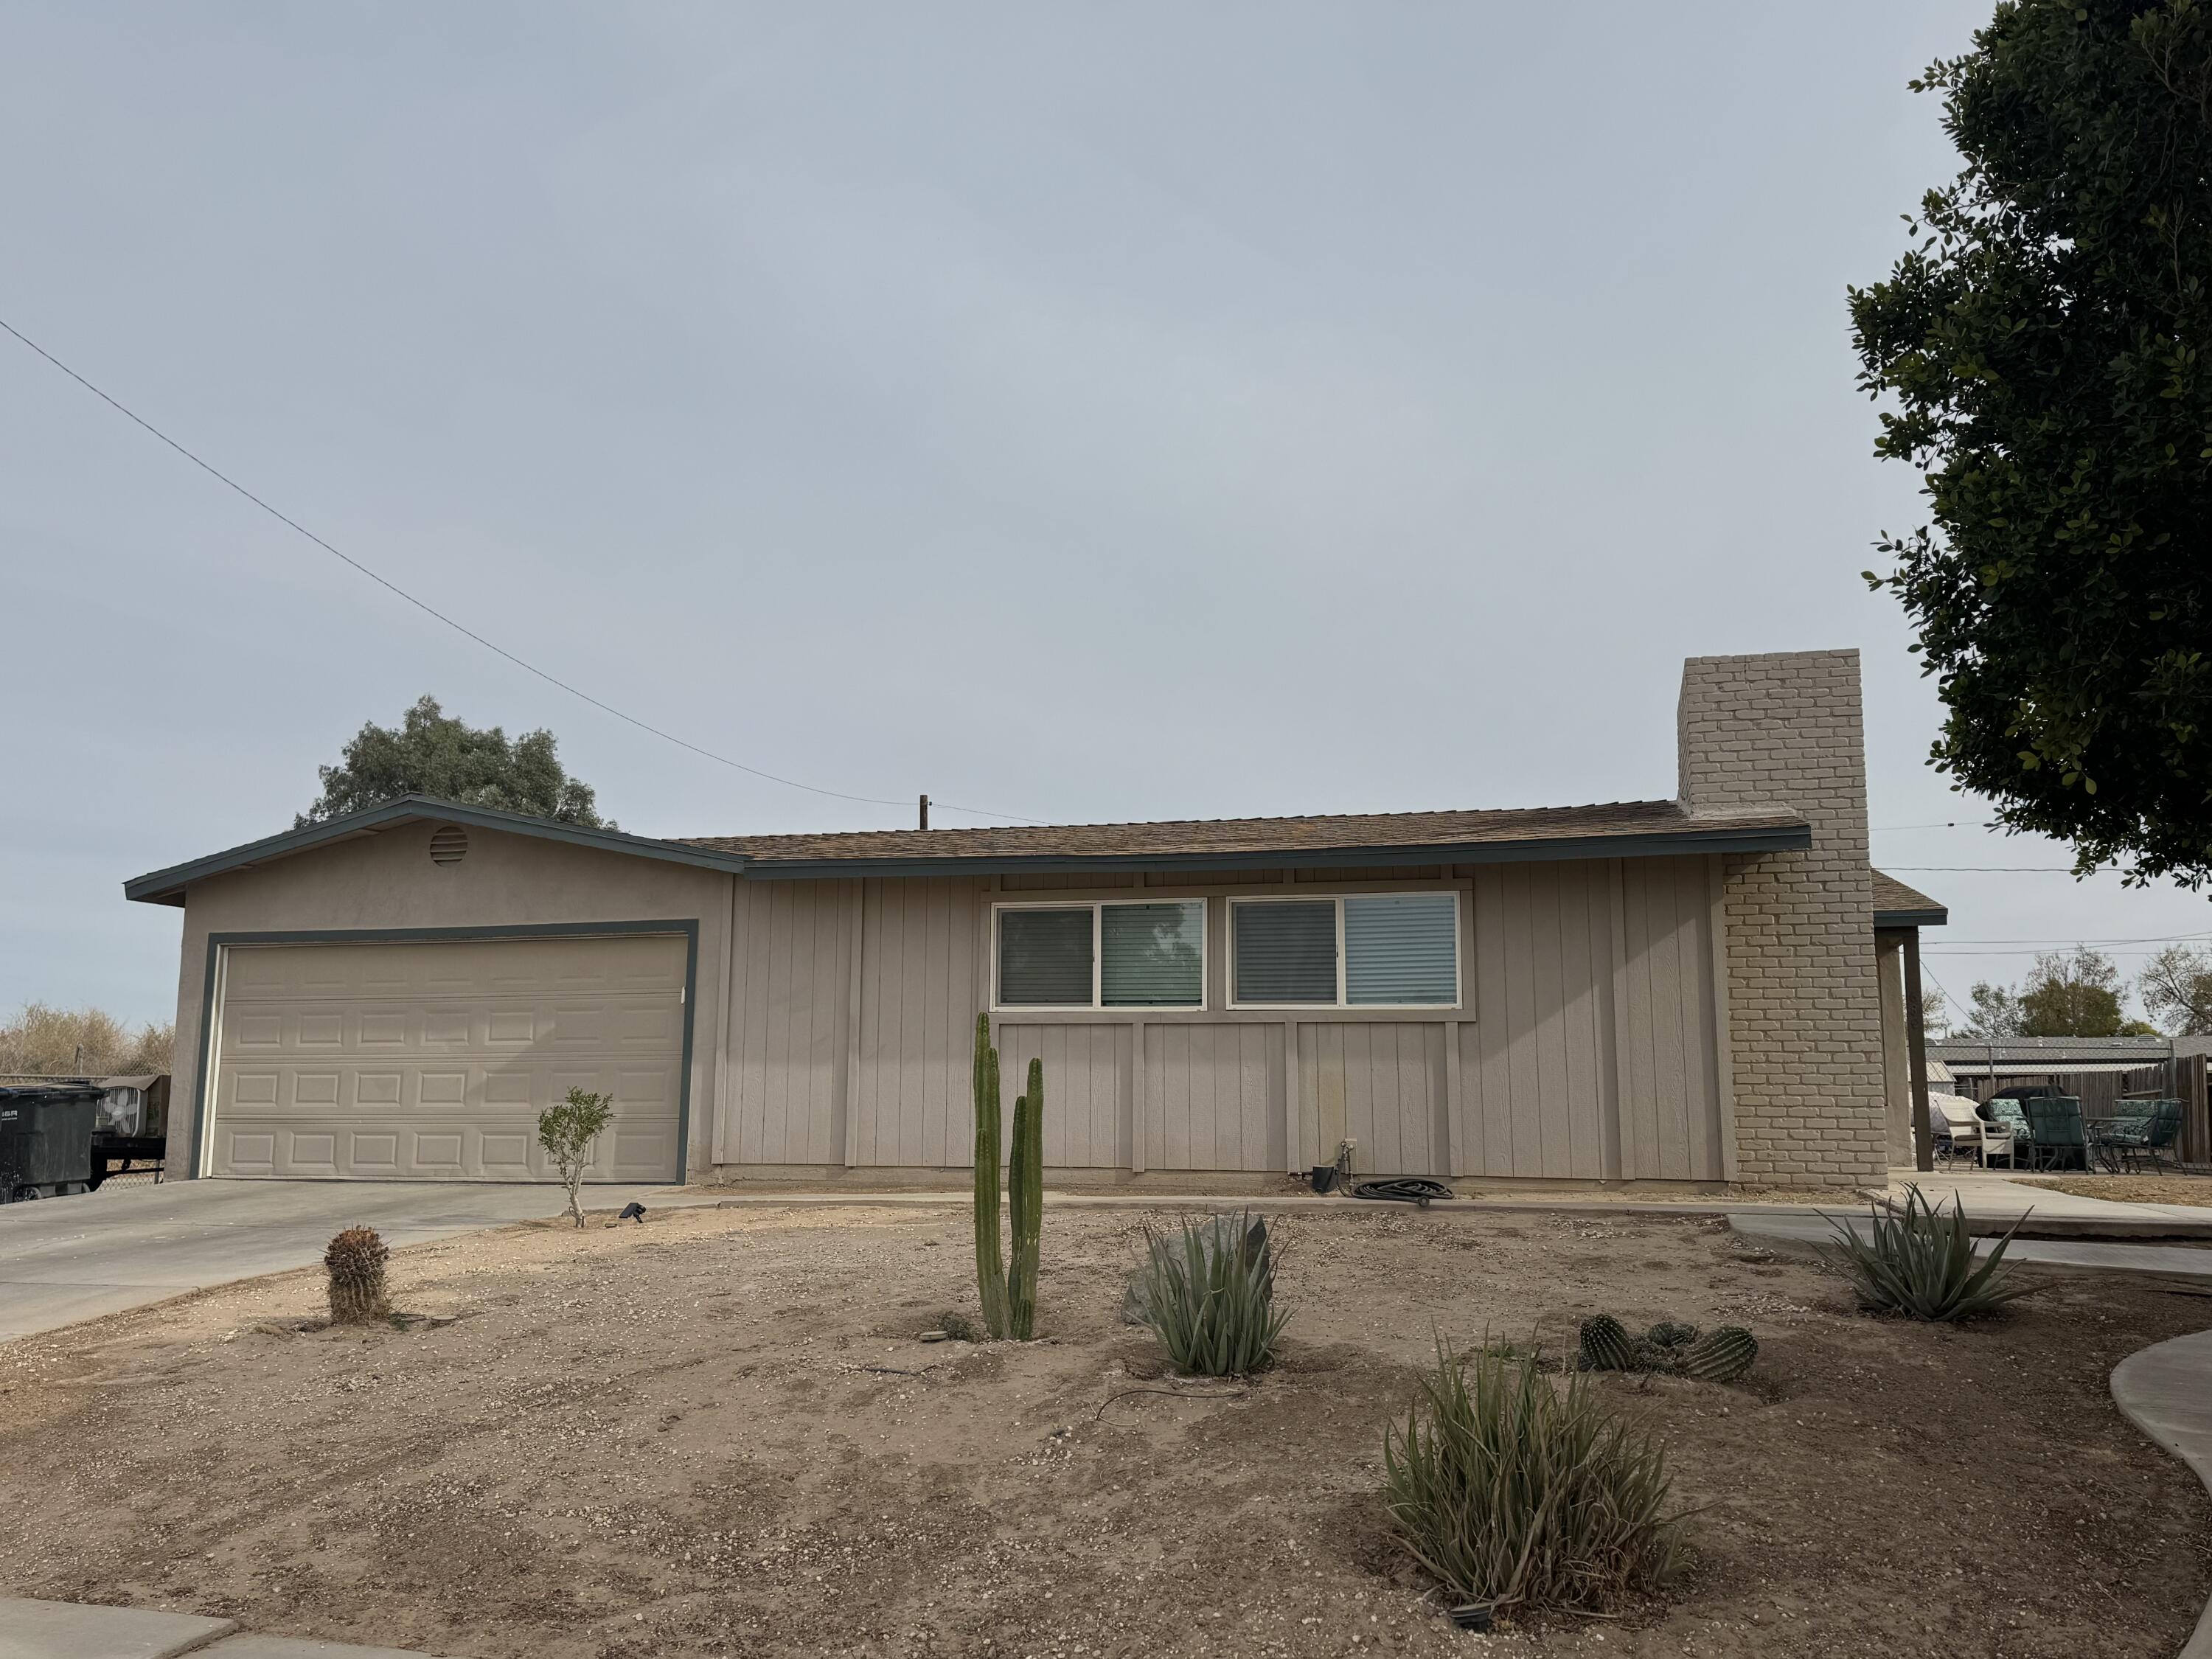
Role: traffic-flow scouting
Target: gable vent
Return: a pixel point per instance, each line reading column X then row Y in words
column 449, row 844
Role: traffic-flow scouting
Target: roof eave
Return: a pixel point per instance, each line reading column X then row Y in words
column 1912, row 917
column 169, row 886
column 1776, row 838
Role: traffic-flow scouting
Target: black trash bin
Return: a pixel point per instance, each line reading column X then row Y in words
column 45, row 1139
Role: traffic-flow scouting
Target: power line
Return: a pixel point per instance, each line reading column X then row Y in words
column 469, row 633
column 1976, row 869
column 1954, row 823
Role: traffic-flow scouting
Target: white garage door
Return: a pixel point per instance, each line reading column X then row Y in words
column 425, row 1061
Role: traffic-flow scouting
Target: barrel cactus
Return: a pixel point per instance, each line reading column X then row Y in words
column 1721, row 1355
column 1605, row 1345
column 354, row 1261
column 1670, row 1347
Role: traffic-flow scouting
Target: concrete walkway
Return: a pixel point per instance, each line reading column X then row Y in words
column 1804, row 1230
column 64, row 1259
column 2166, row 1391
column 74, row 1629
column 1995, row 1201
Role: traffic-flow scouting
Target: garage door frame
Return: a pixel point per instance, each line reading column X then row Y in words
column 220, row 944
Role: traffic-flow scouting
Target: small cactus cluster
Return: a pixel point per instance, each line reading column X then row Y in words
column 356, row 1261
column 1008, row 1292
column 1721, row 1355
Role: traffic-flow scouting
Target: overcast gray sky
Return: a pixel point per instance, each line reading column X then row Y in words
column 1082, row 412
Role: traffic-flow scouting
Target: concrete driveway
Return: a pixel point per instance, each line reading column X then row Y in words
column 66, row 1259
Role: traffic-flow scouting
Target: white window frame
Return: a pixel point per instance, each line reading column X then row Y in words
column 1097, row 1003
column 1337, row 898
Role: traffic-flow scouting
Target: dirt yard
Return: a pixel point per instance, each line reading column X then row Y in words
column 717, row 1434
column 2133, row 1189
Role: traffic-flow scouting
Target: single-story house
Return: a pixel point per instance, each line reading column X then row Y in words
column 1679, row 991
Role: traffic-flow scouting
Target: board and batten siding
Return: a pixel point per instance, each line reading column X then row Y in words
column 1587, row 1046
column 1595, row 1053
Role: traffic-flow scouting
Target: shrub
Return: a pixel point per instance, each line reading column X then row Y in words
column 1207, row 1291
column 354, row 1261
column 566, row 1131
column 1920, row 1264
column 1517, row 1492
column 958, row 1325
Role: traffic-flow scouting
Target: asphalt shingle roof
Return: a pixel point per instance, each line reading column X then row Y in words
column 1259, row 837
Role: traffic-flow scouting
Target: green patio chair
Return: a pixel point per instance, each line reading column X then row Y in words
column 2058, row 1140
column 2149, row 1135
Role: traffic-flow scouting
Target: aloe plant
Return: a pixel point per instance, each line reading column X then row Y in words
column 1517, row 1493
column 1208, row 1290
column 1922, row 1265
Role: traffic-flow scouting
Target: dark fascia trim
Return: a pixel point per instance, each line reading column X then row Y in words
column 685, row 926
column 1886, row 918
column 1781, row 838
column 167, row 886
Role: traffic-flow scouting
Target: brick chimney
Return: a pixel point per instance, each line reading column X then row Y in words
column 1784, row 730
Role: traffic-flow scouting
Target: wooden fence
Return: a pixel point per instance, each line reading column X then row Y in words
column 2181, row 1078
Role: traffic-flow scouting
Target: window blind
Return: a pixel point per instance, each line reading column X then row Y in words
column 1044, row 958
column 1151, row 956
column 1287, row 951
column 1401, row 948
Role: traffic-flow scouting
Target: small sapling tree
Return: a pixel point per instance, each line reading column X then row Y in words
column 566, row 1131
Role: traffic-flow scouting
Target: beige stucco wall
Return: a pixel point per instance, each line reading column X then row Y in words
column 1785, row 730
column 386, row 880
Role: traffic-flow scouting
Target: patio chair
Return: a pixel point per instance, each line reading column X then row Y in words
column 2006, row 1114
column 2058, row 1139
column 1957, row 1130
column 2150, row 1135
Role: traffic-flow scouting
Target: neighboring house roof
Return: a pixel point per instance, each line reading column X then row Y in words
column 1620, row 829
column 1612, row 830
column 2039, row 1056
column 1896, row 905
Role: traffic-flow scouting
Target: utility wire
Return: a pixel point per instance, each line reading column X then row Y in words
column 458, row 628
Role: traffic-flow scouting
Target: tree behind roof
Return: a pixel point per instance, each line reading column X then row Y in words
column 431, row 753
column 2177, row 990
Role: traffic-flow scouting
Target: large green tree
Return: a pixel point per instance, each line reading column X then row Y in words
column 2043, row 348
column 431, row 753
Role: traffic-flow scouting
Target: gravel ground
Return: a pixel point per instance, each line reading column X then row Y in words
column 717, row 1434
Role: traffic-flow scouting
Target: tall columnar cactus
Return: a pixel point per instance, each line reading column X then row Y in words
column 1026, row 1197
column 355, row 1263
column 990, row 1270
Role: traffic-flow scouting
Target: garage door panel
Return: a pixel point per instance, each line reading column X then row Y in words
column 425, row 1061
